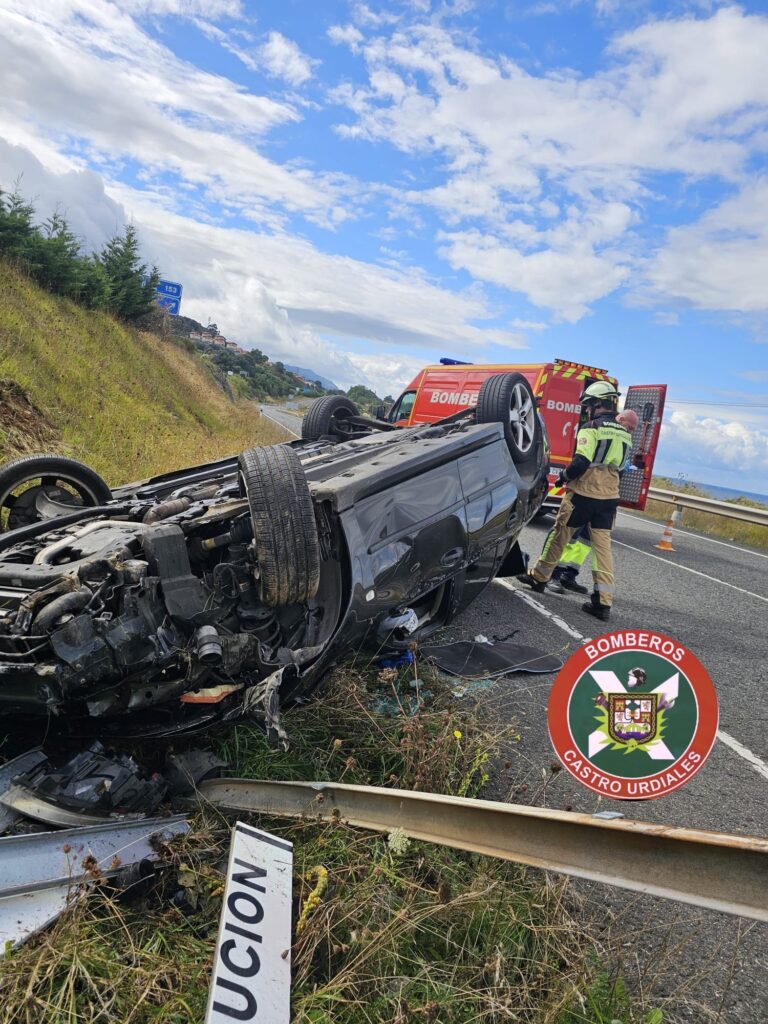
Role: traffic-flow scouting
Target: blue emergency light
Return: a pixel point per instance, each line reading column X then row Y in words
column 445, row 361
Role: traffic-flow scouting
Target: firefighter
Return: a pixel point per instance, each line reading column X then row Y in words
column 565, row 575
column 591, row 497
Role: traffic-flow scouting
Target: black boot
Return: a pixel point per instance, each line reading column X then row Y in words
column 569, row 583
column 530, row 581
column 600, row 611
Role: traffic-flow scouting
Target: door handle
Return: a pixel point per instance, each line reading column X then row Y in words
column 452, row 557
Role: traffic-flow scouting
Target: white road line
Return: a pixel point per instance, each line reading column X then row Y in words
column 286, row 429
column 754, row 761
column 696, row 536
column 542, row 610
column 695, row 572
column 738, row 748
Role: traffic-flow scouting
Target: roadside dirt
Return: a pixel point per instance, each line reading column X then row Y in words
column 23, row 427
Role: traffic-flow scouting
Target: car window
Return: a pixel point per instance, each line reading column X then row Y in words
column 401, row 410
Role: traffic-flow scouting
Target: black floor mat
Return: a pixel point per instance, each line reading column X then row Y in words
column 472, row 660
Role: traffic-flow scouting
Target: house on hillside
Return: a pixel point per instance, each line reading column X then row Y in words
column 196, row 335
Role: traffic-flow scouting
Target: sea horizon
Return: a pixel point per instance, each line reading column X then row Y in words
column 724, row 493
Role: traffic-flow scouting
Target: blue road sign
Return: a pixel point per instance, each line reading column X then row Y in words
column 172, row 288
column 169, row 304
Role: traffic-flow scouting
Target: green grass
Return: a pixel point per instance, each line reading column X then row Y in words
column 705, row 522
column 398, row 931
column 128, row 403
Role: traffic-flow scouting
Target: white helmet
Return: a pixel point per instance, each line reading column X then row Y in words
column 598, row 391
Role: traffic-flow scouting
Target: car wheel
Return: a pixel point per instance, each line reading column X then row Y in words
column 507, row 398
column 283, row 516
column 326, row 417
column 38, row 487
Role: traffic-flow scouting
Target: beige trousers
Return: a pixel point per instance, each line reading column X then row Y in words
column 558, row 539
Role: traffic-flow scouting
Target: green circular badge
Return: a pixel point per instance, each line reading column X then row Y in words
column 633, row 715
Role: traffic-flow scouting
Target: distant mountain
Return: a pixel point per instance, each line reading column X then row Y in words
column 313, row 375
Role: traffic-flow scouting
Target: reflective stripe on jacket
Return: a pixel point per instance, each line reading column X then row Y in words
column 602, row 451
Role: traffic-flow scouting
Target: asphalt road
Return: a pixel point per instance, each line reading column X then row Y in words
column 291, row 421
column 713, row 597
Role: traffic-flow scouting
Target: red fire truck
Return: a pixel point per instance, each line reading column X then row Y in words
column 447, row 387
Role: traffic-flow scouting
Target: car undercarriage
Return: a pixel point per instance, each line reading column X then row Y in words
column 229, row 590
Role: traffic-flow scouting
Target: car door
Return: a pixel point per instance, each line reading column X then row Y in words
column 414, row 534
column 400, row 413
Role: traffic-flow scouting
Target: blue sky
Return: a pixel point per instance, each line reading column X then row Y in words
column 363, row 188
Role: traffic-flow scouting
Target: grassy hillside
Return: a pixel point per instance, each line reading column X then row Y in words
column 129, row 404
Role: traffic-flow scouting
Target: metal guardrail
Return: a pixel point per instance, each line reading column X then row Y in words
column 707, row 869
column 746, row 514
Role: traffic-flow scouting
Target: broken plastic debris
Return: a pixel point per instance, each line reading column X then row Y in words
column 472, row 686
column 473, row 659
column 398, row 661
column 407, row 620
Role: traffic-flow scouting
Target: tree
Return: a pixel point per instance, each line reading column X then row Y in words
column 363, row 396
column 132, row 290
column 16, row 227
column 56, row 263
column 94, row 283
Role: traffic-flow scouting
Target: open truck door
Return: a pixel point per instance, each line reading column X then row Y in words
column 647, row 400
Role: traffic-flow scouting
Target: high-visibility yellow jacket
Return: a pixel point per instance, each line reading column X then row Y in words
column 602, row 451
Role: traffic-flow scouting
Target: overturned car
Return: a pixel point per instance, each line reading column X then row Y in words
column 228, row 590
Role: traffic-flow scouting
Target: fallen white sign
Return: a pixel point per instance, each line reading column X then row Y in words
column 252, row 966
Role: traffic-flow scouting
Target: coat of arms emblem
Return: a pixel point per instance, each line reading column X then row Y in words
column 632, row 717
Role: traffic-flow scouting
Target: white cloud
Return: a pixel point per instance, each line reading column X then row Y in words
column 85, row 74
column 78, row 194
column 721, row 260
column 686, row 96
column 707, row 446
column 565, row 281
column 335, row 295
column 389, row 374
column 186, row 8
column 528, row 325
column 346, row 35
column 280, row 293
column 283, row 59
column 278, row 56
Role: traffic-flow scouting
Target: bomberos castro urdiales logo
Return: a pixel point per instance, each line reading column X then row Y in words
column 633, row 715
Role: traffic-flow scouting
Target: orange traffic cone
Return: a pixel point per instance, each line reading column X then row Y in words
column 665, row 544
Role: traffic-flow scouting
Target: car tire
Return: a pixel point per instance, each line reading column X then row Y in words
column 324, row 415
column 283, row 516
column 50, row 470
column 507, row 398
